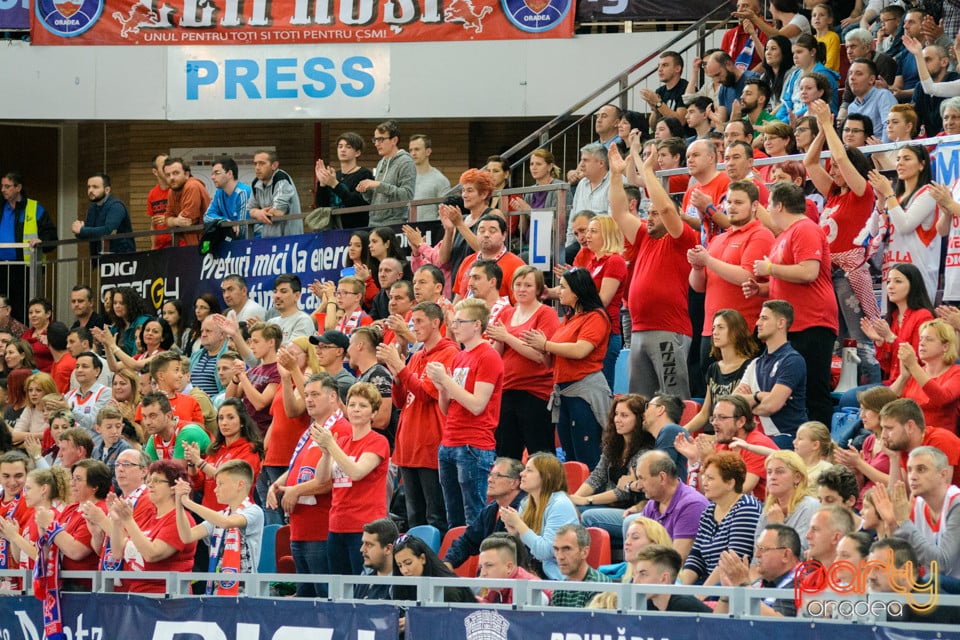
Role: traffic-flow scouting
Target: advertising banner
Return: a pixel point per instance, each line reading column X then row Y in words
column 485, row 624
column 643, row 10
column 110, row 616
column 183, row 273
column 14, row 14
column 218, row 22
column 292, row 82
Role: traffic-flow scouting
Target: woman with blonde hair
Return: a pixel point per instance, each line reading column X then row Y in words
column 934, row 384
column 126, row 398
column 32, row 419
column 789, row 500
column 545, row 509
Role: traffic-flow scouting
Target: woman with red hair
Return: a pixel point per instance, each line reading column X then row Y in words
column 460, row 223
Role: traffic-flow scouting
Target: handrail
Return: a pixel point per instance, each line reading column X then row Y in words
column 723, row 8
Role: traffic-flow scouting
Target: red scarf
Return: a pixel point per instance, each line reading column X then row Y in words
column 347, row 324
column 225, row 557
column 46, row 582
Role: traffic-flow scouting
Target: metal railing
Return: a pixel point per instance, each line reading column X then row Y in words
column 527, row 595
column 616, row 90
column 53, row 276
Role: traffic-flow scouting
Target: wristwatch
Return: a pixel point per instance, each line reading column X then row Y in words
column 589, row 499
column 659, row 104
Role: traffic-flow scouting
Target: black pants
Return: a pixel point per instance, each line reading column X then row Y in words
column 525, row 423
column 816, row 346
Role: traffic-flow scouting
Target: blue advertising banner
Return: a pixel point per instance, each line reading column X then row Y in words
column 183, row 273
column 111, row 616
column 14, row 14
column 501, row 624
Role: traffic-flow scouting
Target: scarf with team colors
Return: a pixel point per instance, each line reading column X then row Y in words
column 5, row 560
column 225, row 557
column 46, row 582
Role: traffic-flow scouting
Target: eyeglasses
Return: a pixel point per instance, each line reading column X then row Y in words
column 346, row 293
column 799, row 129
column 128, row 464
column 153, row 481
column 379, row 139
column 464, row 321
column 503, row 476
column 762, row 549
column 719, row 418
column 327, row 346
column 849, row 130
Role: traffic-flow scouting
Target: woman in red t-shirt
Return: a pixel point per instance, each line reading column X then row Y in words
column 609, row 272
column 238, row 438
column 357, row 465
column 909, row 306
column 576, row 352
column 156, row 547
column 525, row 420
column 934, row 384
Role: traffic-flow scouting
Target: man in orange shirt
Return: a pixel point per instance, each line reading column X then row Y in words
column 187, row 202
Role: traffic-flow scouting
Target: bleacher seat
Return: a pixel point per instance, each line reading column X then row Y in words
column 282, row 553
column 577, row 473
column 621, row 373
column 268, row 550
column 599, row 547
column 690, row 409
column 429, row 534
column 469, row 568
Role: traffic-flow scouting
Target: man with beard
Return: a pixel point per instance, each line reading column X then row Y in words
column 105, row 215
column 492, row 235
column 753, row 102
column 732, row 81
column 187, row 201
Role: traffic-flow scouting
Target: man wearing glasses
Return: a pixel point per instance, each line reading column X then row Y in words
column 777, row 556
column 396, row 176
column 503, row 490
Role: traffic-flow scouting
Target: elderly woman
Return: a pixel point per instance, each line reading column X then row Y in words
column 460, row 224
column 728, row 522
column 934, row 384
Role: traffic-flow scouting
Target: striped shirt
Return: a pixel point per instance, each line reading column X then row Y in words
column 203, row 373
column 734, row 532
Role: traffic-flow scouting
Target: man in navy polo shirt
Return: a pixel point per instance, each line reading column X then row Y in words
column 775, row 383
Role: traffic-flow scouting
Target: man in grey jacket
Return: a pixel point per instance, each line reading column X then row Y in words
column 396, row 176
column 274, row 197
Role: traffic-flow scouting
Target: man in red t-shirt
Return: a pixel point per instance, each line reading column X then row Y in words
column 721, row 269
column 300, row 494
column 157, row 204
column 732, row 418
column 421, row 423
column 902, row 428
column 800, row 272
column 704, row 198
column 470, row 396
column 739, row 44
column 491, row 235
column 658, row 290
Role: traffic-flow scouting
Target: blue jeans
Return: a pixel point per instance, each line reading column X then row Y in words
column 310, row 557
column 578, row 431
column 269, row 475
column 463, row 479
column 343, row 553
column 611, row 520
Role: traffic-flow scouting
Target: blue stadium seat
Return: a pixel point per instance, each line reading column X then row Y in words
column 429, row 534
column 621, row 379
column 268, row 559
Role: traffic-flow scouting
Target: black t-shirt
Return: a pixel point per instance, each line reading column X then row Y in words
column 673, row 97
column 345, row 195
column 683, row 603
column 379, row 376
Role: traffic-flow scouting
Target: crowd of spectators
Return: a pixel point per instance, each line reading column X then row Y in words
column 453, row 386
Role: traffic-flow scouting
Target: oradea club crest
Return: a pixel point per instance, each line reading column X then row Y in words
column 536, row 16
column 68, row 18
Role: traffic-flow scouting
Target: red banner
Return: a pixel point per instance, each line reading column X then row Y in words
column 210, row 22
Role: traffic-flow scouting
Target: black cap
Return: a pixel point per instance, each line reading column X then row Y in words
column 335, row 338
